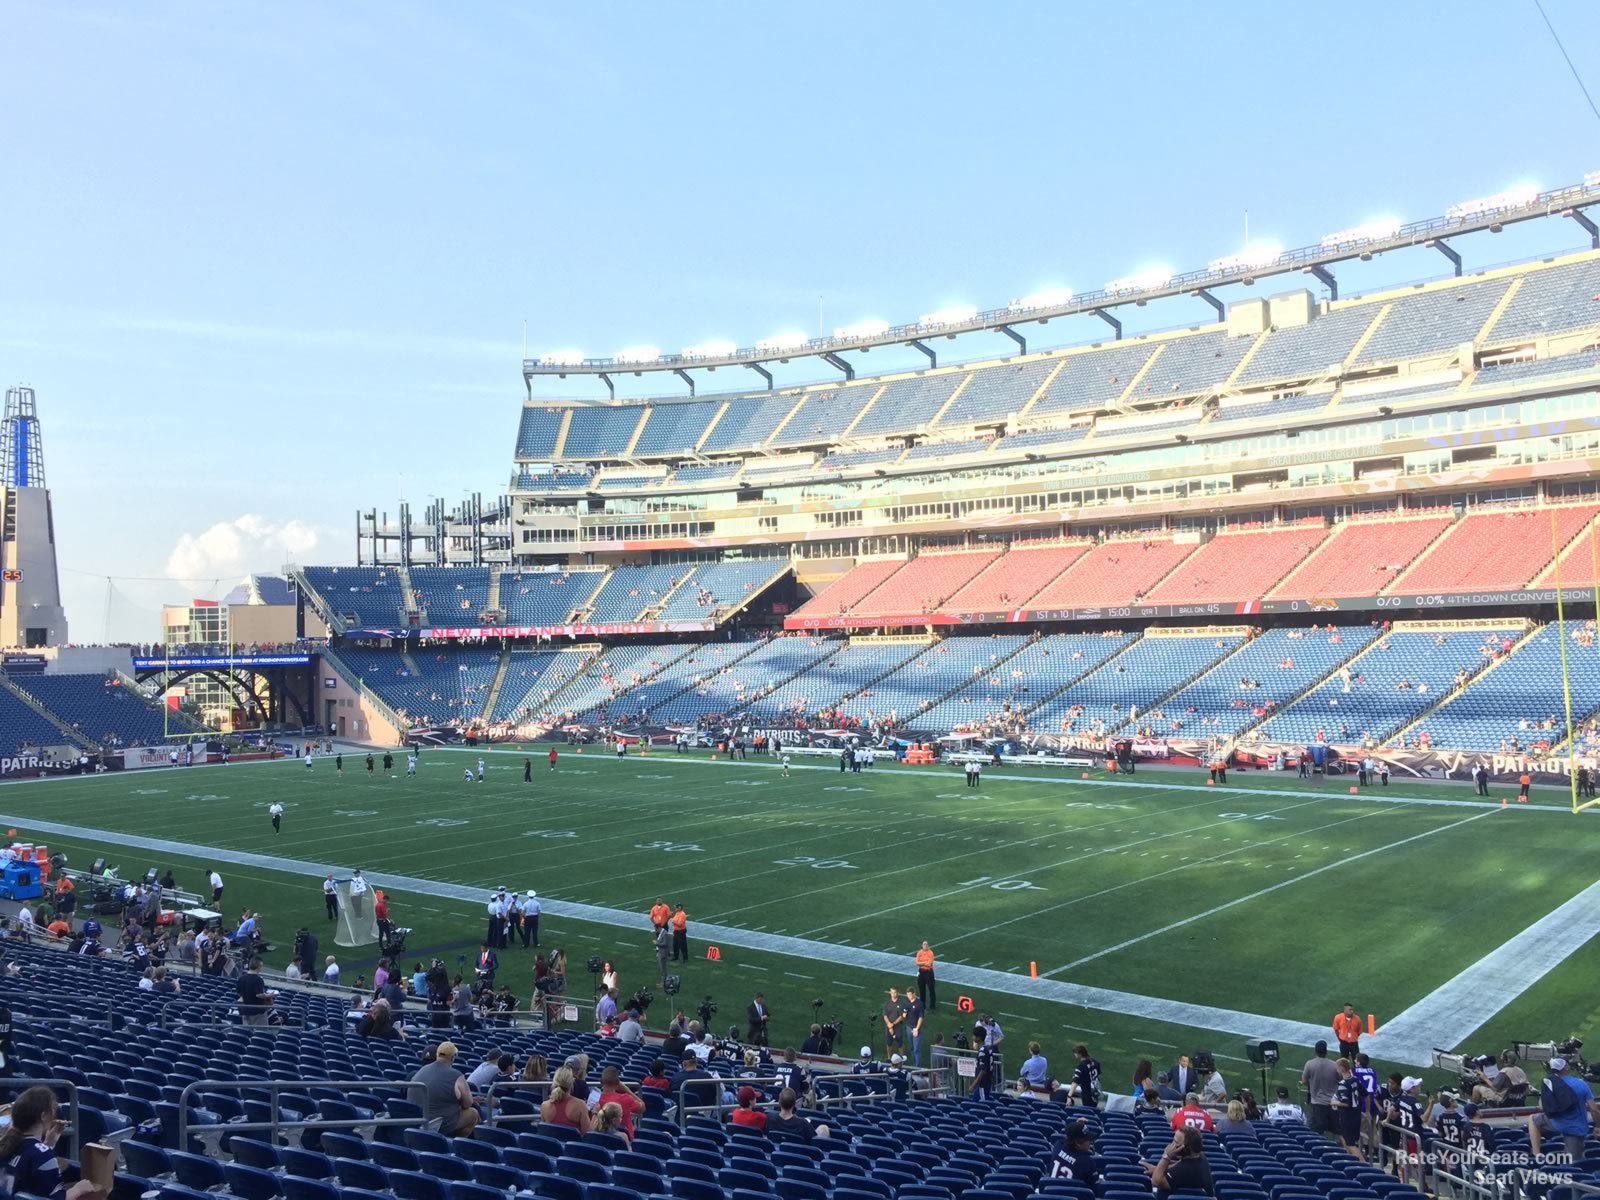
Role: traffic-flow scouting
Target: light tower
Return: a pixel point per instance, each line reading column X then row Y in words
column 30, row 588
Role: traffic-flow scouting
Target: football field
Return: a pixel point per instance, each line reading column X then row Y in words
column 1160, row 913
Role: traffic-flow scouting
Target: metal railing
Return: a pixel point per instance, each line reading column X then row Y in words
column 16, row 1086
column 880, row 1088
column 1423, row 1160
column 275, row 1124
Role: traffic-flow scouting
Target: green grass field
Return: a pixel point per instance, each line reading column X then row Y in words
column 1270, row 897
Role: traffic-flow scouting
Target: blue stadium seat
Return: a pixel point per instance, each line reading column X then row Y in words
column 444, row 1167
column 197, row 1171
column 251, row 1183
column 414, row 1185
column 358, row 1173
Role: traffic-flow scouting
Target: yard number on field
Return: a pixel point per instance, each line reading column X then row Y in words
column 671, row 847
column 1002, row 885
column 1248, row 817
column 821, row 864
column 550, row 833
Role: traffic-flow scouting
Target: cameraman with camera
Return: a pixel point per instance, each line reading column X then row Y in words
column 1500, row 1085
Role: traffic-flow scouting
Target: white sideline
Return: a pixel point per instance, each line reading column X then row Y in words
column 1198, row 1016
column 1455, row 1010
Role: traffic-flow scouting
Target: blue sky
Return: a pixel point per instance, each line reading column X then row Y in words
column 266, row 264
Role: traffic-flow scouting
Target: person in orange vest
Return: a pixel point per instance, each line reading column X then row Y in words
column 659, row 913
column 680, row 934
column 1523, row 784
column 1347, row 1028
column 925, row 984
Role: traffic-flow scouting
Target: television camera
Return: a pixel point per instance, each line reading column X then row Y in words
column 707, row 1010
column 639, row 1002
column 830, row 1031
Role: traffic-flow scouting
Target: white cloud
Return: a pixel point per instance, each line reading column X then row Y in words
column 240, row 546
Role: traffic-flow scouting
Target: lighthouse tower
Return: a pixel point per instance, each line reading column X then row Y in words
column 30, row 588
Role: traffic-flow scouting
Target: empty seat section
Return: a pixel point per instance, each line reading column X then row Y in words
column 840, row 675
column 1238, row 566
column 1434, row 321
column 905, row 404
column 600, row 432
column 1314, row 348
column 613, row 673
column 1361, row 558
column 1138, row 677
column 536, row 432
column 1551, row 300
column 97, row 706
column 1112, row 573
column 1266, row 410
column 850, row 589
column 692, row 670
column 433, row 687
column 924, row 584
column 675, row 428
column 824, row 416
column 630, row 591
column 1189, row 365
column 23, row 725
column 1505, row 549
column 1520, row 697
column 451, row 595
column 912, row 689
column 732, row 687
column 716, row 588
column 1092, row 379
column 1515, row 373
column 708, row 472
column 995, row 392
column 748, row 423
column 1401, row 677
column 931, row 452
column 368, row 597
column 532, row 680
column 1014, row 578
column 1267, row 673
column 544, row 597
column 1040, row 439
column 1018, row 683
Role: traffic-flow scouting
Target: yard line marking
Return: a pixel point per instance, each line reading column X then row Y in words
column 1081, row 1029
column 1455, row 1010
column 1266, row 891
column 1229, row 1057
column 1148, row 1042
column 1080, row 996
column 797, row 975
column 749, row 966
column 1014, row 1016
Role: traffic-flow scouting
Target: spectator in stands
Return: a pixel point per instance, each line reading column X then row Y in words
column 1192, row 1116
column 1166, row 1091
column 1148, row 1101
column 1567, row 1107
column 631, row 1029
column 378, row 1022
column 255, row 1000
column 1320, row 1078
column 1285, row 1111
column 330, row 970
column 747, row 1114
column 1215, row 1092
column 1182, row 1166
column 495, row 1068
column 562, row 1107
column 786, row 1124
column 1501, row 1084
column 28, row 1162
column 1076, row 1159
column 1233, row 1121
column 447, row 1099
column 615, row 1093
column 693, row 1085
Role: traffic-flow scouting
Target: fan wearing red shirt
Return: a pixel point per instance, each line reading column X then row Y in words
column 614, row 1091
column 657, row 1077
column 747, row 1114
column 1192, row 1116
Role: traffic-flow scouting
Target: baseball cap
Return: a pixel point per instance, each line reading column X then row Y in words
column 1283, row 1093
column 866, row 1052
column 1470, row 1110
column 1409, row 1082
column 1080, row 1131
column 532, row 893
column 1558, row 1064
column 897, row 1058
column 445, row 1050
column 747, row 1095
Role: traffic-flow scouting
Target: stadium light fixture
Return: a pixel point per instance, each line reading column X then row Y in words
column 1518, row 197
column 1373, row 231
column 953, row 315
column 1142, row 281
column 862, row 329
column 1592, row 179
column 783, row 341
column 1044, row 298
column 711, row 349
column 1253, row 256
column 564, row 358
column 638, row 354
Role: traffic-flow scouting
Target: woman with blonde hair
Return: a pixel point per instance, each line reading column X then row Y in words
column 563, row 1108
column 1235, row 1122
column 608, row 1120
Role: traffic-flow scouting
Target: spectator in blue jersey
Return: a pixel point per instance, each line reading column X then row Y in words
column 1085, row 1077
column 1567, row 1108
column 28, row 1162
column 1076, row 1160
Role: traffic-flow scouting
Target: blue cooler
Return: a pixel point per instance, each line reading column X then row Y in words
column 20, row 881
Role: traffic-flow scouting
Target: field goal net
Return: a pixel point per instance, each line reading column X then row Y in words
column 1558, row 551
column 358, row 923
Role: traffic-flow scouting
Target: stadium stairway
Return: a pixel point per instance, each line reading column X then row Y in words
column 68, row 733
column 493, row 603
column 676, row 682
column 1215, row 665
column 492, row 696
column 588, row 601
column 590, row 654
column 793, row 675
column 407, row 591
column 1456, row 693
column 653, row 612
column 927, row 642
column 1310, row 687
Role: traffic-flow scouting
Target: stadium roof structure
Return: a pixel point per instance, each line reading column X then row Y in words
column 1484, row 214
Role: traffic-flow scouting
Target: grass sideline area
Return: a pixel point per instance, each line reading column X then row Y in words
column 1271, row 895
